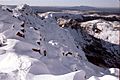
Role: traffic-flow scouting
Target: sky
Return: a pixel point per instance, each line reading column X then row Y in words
column 94, row 3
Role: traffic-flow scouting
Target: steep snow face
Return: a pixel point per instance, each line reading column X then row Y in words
column 39, row 48
column 35, row 46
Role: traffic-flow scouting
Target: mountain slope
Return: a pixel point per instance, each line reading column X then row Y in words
column 35, row 46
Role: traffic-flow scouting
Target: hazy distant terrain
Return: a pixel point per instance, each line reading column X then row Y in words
column 77, row 8
column 41, row 9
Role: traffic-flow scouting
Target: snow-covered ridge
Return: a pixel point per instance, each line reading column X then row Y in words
column 38, row 48
column 65, row 15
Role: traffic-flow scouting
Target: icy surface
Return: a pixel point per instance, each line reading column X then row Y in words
column 33, row 48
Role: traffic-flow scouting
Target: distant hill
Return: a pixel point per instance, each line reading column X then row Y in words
column 41, row 9
column 82, row 8
column 78, row 8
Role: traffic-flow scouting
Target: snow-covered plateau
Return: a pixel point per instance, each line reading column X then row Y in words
column 55, row 46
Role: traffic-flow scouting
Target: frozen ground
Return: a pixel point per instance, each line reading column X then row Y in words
column 35, row 47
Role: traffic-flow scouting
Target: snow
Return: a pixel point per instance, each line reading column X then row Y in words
column 3, row 40
column 108, row 33
column 66, row 15
column 70, row 76
column 39, row 49
column 106, row 77
column 114, row 71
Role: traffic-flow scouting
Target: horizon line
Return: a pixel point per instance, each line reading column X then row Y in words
column 59, row 6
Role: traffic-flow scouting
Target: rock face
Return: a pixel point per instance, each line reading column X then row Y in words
column 99, row 40
column 105, row 41
column 37, row 47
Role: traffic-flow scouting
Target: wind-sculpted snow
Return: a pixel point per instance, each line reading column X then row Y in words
column 33, row 48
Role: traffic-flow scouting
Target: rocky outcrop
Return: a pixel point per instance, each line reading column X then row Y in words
column 99, row 40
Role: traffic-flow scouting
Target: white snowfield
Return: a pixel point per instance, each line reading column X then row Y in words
column 70, row 76
column 65, row 15
column 108, row 31
column 36, row 49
